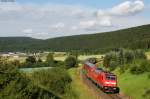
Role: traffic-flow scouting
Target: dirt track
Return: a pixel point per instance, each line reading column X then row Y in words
column 99, row 94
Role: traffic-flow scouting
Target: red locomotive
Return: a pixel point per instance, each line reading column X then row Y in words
column 105, row 80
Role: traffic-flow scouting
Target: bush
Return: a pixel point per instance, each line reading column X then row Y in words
column 139, row 54
column 14, row 85
column 113, row 65
column 136, row 70
column 70, row 62
column 149, row 76
column 145, row 65
column 55, row 79
column 122, row 57
column 146, row 94
column 31, row 59
column 50, row 59
column 92, row 60
column 140, row 67
column 129, row 56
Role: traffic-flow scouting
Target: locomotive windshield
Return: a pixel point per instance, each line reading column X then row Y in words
column 110, row 77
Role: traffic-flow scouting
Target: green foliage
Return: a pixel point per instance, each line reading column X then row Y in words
column 146, row 94
column 55, row 79
column 130, row 55
column 136, row 70
column 14, row 85
column 16, row 63
column 140, row 66
column 70, row 61
column 39, row 60
column 92, row 60
column 122, row 57
column 50, row 58
column 140, row 54
column 31, row 60
column 107, row 60
column 149, row 76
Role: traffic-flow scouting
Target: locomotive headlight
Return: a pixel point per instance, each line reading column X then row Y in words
column 107, row 82
column 113, row 83
column 110, row 83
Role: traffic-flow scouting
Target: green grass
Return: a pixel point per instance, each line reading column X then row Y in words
column 82, row 91
column 133, row 85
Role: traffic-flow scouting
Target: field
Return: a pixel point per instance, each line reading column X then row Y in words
column 83, row 92
column 148, row 55
column 133, row 85
column 80, row 57
column 57, row 57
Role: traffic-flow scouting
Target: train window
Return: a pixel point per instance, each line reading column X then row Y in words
column 100, row 69
column 110, row 77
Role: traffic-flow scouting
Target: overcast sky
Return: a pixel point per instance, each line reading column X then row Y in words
column 54, row 18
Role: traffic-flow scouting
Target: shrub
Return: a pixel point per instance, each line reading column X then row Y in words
column 31, row 59
column 70, row 61
column 136, row 69
column 139, row 54
column 55, row 79
column 92, row 60
column 14, row 85
column 50, row 58
column 146, row 94
column 149, row 76
column 113, row 65
column 129, row 56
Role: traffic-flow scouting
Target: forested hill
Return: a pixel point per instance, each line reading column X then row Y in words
column 18, row 43
column 136, row 37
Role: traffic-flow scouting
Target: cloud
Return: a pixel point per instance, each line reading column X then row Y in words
column 128, row 8
column 53, row 20
column 103, row 18
column 28, row 31
column 95, row 23
column 41, row 35
column 57, row 26
column 74, row 28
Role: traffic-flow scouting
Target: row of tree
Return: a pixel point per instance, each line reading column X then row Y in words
column 121, row 57
column 33, row 62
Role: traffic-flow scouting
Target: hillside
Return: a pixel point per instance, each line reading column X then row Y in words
column 136, row 37
column 19, row 43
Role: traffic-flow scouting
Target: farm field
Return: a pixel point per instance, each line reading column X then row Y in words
column 80, row 57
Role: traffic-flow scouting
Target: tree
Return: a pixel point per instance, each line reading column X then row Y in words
column 107, row 60
column 16, row 63
column 50, row 58
column 39, row 60
column 70, row 61
column 54, row 79
column 14, row 85
column 129, row 56
column 31, row 59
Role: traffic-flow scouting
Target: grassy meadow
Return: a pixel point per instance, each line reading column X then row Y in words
column 133, row 85
column 82, row 91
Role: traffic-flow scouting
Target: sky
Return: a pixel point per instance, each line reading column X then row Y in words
column 45, row 19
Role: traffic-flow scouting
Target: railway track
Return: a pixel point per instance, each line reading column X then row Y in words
column 99, row 94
